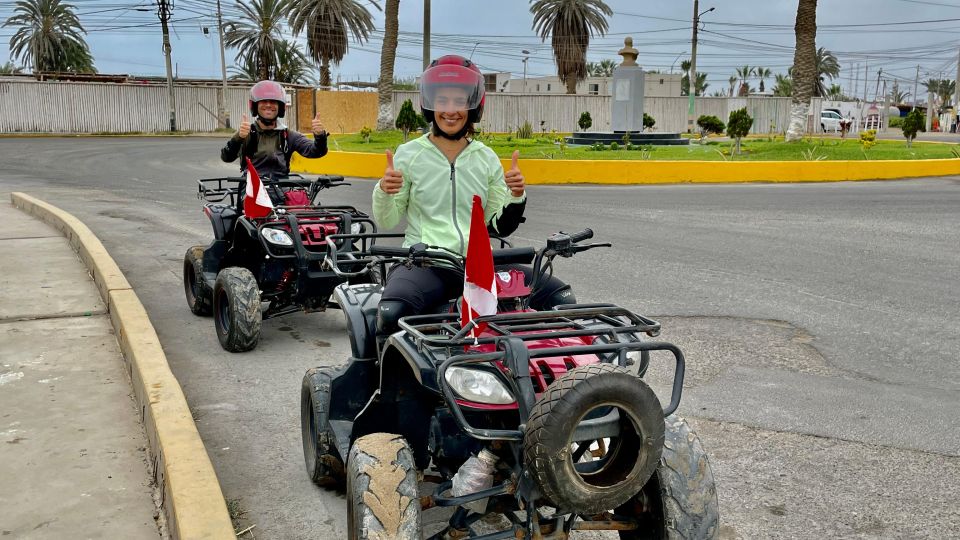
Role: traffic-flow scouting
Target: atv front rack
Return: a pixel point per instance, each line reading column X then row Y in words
column 508, row 341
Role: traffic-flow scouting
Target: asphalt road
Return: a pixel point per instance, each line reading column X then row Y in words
column 820, row 324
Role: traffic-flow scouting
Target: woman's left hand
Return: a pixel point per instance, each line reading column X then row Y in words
column 514, row 177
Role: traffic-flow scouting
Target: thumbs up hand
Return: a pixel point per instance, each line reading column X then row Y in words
column 514, row 177
column 317, row 126
column 244, row 128
column 392, row 179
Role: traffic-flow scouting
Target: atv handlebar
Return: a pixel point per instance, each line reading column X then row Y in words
column 585, row 234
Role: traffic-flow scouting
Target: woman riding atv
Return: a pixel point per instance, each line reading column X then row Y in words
column 431, row 182
column 268, row 143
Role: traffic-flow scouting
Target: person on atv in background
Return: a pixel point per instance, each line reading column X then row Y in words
column 431, row 182
column 268, row 143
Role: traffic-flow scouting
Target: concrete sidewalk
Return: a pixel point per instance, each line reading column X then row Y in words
column 73, row 459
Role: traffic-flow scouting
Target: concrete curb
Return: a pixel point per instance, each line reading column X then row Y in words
column 559, row 171
column 192, row 500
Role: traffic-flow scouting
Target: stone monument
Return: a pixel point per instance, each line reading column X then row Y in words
column 627, row 92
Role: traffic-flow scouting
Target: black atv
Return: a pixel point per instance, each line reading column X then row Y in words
column 541, row 425
column 278, row 259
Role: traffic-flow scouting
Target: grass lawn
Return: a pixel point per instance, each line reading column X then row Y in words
column 754, row 149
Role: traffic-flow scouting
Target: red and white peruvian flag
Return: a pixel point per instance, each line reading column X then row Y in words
column 479, row 281
column 256, row 202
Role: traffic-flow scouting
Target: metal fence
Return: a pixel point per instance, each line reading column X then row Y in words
column 75, row 107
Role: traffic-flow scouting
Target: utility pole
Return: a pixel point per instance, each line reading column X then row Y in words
column 692, row 75
column 426, row 34
column 876, row 92
column 885, row 113
column 956, row 95
column 163, row 11
column 916, row 79
column 866, row 77
column 223, row 113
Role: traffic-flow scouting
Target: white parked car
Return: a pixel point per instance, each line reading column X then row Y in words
column 830, row 121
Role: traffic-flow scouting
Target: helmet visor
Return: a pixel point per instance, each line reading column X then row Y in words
column 450, row 88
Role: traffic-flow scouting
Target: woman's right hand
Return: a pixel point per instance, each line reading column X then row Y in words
column 392, row 179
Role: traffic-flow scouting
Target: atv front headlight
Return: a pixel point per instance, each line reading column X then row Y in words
column 356, row 228
column 478, row 386
column 276, row 237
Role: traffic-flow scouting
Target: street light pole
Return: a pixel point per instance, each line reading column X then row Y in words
column 223, row 112
column 525, row 58
column 692, row 75
column 426, row 34
column 163, row 11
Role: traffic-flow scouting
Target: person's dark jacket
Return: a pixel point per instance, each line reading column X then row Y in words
column 270, row 150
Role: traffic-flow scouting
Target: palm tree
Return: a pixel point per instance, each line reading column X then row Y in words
column 571, row 24
column 804, row 68
column 603, row 68
column 826, row 66
column 49, row 37
column 388, row 53
column 732, row 80
column 685, row 80
column 10, row 69
column 784, row 86
column 762, row 74
column 329, row 25
column 292, row 66
column 257, row 36
column 835, row 92
column 898, row 96
column 941, row 88
column 744, row 73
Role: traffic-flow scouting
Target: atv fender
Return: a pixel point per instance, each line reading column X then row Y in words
column 359, row 305
column 222, row 218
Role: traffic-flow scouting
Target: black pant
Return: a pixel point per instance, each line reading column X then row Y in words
column 416, row 290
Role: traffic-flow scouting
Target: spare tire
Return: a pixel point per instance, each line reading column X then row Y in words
column 629, row 440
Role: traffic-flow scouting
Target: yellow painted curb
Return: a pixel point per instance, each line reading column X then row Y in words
column 193, row 501
column 559, row 171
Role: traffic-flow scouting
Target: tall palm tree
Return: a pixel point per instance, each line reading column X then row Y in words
column 762, row 73
column 329, row 24
column 941, row 88
column 49, row 37
column 603, row 68
column 570, row 24
column 733, row 81
column 258, row 34
column 744, row 73
column 826, row 66
column 804, row 68
column 388, row 54
column 898, row 96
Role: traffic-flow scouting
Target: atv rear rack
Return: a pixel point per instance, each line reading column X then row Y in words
column 440, row 338
column 215, row 190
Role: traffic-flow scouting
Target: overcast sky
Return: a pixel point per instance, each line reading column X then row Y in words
column 871, row 34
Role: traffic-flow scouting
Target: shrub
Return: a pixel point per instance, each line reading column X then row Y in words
column 868, row 138
column 408, row 119
column 710, row 124
column 738, row 125
column 365, row 133
column 614, row 146
column 912, row 124
column 585, row 121
column 525, row 131
column 648, row 121
column 895, row 121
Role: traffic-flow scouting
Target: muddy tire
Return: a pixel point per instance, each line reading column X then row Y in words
column 199, row 295
column 382, row 493
column 236, row 309
column 627, row 458
column 324, row 465
column 679, row 501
